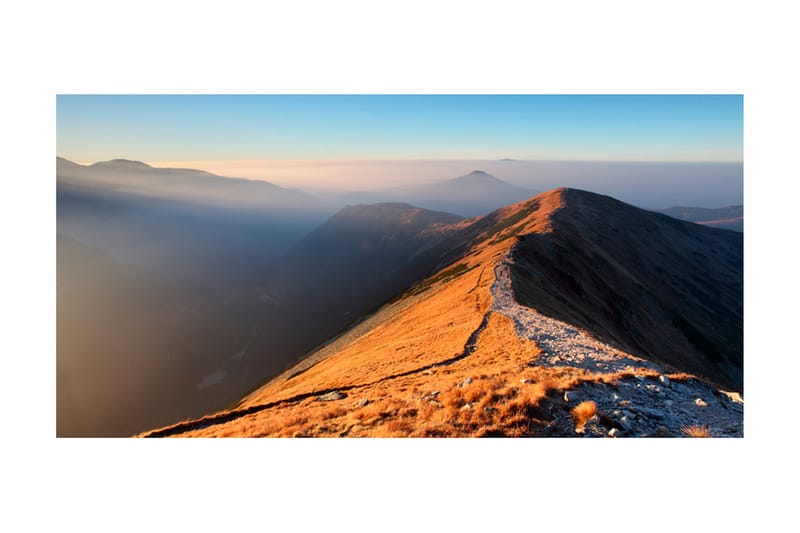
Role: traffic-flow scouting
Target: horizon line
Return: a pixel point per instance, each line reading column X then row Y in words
column 154, row 163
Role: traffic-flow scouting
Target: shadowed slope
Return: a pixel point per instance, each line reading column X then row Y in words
column 648, row 283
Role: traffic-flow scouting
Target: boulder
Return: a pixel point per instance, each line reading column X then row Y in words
column 331, row 396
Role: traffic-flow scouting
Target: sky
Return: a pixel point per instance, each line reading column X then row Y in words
column 232, row 129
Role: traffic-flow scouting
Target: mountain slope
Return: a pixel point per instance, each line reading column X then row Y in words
column 459, row 355
column 350, row 266
column 648, row 284
column 476, row 193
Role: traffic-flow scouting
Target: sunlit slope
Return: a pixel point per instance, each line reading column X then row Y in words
column 456, row 355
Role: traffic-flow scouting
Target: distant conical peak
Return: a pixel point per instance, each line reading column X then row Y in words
column 477, row 176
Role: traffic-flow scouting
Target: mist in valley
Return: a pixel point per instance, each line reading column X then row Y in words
column 160, row 299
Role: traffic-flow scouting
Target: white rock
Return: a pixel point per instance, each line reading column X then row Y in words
column 700, row 402
column 464, row 383
column 570, row 396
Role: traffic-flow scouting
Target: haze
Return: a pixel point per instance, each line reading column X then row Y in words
column 649, row 184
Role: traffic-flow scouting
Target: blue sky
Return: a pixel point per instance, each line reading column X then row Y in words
column 203, row 127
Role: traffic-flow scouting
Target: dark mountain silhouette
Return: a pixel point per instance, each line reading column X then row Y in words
column 476, row 193
column 731, row 217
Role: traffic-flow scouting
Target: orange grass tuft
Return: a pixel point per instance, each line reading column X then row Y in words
column 582, row 413
column 696, row 432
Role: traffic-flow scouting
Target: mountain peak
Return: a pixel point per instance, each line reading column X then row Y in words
column 477, row 177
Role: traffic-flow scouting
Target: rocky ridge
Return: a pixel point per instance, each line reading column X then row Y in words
column 637, row 405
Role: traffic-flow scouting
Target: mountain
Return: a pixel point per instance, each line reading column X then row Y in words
column 570, row 313
column 476, row 193
column 731, row 217
column 348, row 267
column 197, row 186
column 164, row 270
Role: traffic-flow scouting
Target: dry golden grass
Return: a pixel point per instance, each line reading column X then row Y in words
column 496, row 402
column 582, row 413
column 696, row 431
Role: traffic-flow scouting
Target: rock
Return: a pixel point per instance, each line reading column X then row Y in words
column 526, row 380
column 570, row 396
column 331, row 396
column 613, row 432
column 680, row 388
column 654, row 413
column 362, row 402
column 733, row 396
column 664, row 380
column 431, row 396
column 466, row 407
column 464, row 383
column 700, row 403
column 625, row 423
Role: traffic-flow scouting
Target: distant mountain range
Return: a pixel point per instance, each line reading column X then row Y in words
column 476, row 193
column 731, row 217
column 198, row 186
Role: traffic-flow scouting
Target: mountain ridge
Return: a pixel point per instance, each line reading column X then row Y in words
column 136, row 177
column 425, row 366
